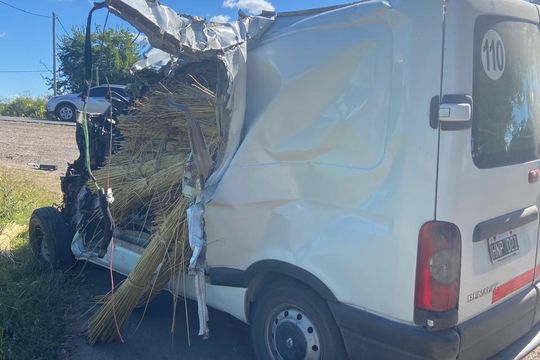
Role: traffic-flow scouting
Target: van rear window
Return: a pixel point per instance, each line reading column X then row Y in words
column 506, row 92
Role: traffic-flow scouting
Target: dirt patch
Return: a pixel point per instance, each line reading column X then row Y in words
column 22, row 143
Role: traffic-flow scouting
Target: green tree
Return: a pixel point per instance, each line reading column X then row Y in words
column 114, row 59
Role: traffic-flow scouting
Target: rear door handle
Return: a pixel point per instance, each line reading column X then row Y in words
column 455, row 112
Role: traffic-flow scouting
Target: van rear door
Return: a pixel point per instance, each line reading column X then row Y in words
column 488, row 163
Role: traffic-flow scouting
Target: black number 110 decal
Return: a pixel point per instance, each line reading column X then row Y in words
column 493, row 51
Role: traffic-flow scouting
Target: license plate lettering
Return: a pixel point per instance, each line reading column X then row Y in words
column 502, row 247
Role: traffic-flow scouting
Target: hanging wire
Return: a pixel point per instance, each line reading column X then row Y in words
column 23, row 71
column 25, row 11
column 62, row 25
column 45, row 66
column 107, row 185
column 85, row 110
column 100, row 57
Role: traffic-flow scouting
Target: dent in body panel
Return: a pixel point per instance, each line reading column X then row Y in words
column 323, row 177
column 331, row 106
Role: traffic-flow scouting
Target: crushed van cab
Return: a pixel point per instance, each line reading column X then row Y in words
column 371, row 187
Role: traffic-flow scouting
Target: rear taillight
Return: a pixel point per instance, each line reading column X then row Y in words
column 438, row 267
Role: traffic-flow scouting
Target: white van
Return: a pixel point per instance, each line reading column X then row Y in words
column 383, row 201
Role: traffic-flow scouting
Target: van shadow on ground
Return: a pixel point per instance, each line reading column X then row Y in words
column 229, row 337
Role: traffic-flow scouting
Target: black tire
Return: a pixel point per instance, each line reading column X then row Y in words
column 66, row 112
column 50, row 238
column 290, row 321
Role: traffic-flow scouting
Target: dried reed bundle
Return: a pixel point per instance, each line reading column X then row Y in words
column 102, row 325
column 147, row 173
column 154, row 146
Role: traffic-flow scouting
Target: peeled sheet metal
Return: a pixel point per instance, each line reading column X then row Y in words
column 153, row 59
column 195, row 218
column 193, row 39
column 185, row 35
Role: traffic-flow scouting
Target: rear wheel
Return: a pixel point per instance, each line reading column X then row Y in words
column 50, row 237
column 292, row 322
column 66, row 112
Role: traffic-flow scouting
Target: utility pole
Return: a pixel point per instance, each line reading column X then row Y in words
column 54, row 51
column 96, row 68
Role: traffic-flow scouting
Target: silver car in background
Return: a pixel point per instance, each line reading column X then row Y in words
column 64, row 107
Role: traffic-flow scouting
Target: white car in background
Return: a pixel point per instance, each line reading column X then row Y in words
column 64, row 107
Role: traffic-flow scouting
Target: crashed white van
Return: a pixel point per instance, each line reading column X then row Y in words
column 378, row 196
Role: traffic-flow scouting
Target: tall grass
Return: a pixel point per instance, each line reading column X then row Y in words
column 33, row 298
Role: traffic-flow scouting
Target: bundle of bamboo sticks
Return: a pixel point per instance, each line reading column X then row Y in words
column 147, row 174
column 155, row 145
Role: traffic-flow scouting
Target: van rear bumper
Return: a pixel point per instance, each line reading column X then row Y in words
column 370, row 336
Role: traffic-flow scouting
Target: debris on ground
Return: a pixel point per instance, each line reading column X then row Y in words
column 44, row 167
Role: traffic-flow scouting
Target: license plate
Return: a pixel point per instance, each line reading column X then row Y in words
column 503, row 246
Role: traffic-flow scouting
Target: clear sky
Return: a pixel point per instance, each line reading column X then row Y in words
column 26, row 40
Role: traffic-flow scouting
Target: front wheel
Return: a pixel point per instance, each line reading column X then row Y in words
column 66, row 112
column 292, row 322
column 50, row 238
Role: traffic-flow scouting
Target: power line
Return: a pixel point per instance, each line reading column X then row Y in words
column 24, row 11
column 21, row 71
column 62, row 25
column 45, row 66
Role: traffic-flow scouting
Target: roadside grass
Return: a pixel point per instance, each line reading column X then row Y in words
column 33, row 298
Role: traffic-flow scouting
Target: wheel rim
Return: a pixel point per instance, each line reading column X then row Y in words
column 43, row 246
column 291, row 335
column 66, row 113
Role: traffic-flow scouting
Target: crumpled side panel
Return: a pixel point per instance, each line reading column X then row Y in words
column 336, row 173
